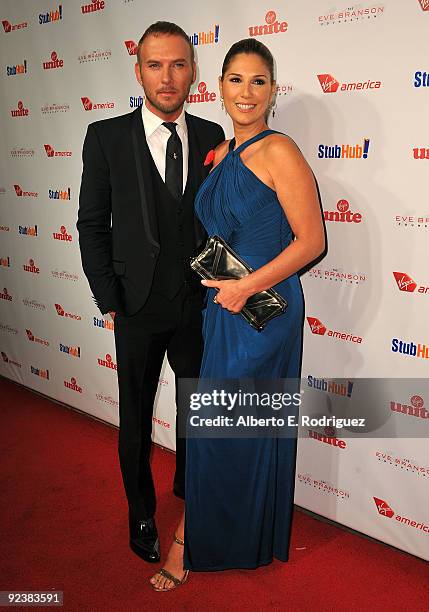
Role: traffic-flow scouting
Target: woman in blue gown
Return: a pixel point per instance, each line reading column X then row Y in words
column 260, row 197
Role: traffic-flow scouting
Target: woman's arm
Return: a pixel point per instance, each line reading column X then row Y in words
column 295, row 186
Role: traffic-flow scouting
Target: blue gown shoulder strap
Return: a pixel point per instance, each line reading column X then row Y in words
column 251, row 140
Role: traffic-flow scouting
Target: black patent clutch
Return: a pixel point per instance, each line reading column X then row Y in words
column 217, row 261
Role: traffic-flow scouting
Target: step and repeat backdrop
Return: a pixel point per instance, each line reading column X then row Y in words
column 353, row 92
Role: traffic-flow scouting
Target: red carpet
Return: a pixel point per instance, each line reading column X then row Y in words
column 64, row 527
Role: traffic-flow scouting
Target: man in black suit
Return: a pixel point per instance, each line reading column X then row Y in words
column 137, row 232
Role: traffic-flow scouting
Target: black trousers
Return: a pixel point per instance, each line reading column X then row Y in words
column 161, row 326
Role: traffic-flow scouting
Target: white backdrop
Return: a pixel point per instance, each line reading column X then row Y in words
column 344, row 75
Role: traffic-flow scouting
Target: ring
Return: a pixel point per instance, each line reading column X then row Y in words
column 215, row 299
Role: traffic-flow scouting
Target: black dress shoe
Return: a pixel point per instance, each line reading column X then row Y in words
column 144, row 540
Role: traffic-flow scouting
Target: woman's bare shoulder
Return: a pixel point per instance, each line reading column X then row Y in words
column 220, row 152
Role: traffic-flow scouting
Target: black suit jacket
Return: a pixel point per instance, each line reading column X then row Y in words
column 117, row 224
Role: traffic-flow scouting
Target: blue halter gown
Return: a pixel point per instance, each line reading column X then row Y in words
column 239, row 492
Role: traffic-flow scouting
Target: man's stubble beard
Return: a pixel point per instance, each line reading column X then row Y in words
column 165, row 108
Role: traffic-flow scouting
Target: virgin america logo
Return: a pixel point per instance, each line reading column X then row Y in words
column 24, row 194
column 9, row 27
column 329, row 84
column 385, row 510
column 33, row 338
column 88, row 105
column 131, row 47
column 69, row 315
column 318, row 328
column 50, row 152
column 383, row 507
column 424, row 4
column 406, row 283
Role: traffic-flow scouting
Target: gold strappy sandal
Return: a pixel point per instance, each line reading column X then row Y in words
column 177, row 582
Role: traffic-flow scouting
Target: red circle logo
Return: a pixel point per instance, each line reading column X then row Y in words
column 63, row 229
column 417, row 401
column 343, row 205
column 73, row 380
column 54, row 56
column 329, row 431
column 202, row 87
column 108, row 357
column 270, row 17
column 20, row 105
column 31, row 262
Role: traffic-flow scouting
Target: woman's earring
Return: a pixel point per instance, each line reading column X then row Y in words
column 273, row 109
column 221, row 103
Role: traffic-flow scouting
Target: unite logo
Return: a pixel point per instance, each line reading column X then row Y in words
column 50, row 152
column 202, row 96
column 51, row 16
column 384, row 509
column 4, row 295
column 27, row 230
column 5, row 262
column 107, row 362
column 271, row 26
column 88, row 105
column 33, row 338
column 62, row 235
column 31, row 267
column 318, row 328
column 54, row 62
column 342, row 214
column 69, row 315
column 17, row 69
column 72, row 384
column 96, row 5
column 406, row 283
column 20, row 111
column 417, row 408
column 327, row 438
column 9, row 27
column 420, row 153
column 131, row 47
column 24, row 194
column 329, row 84
column 424, row 5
